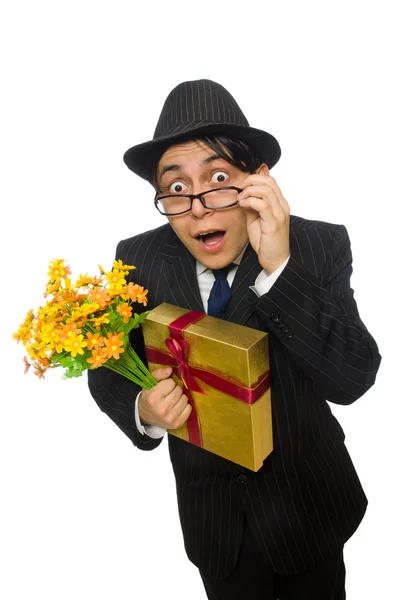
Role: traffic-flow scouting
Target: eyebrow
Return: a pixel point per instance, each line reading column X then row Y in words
column 206, row 161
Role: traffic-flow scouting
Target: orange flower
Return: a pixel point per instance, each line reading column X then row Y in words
column 114, row 345
column 141, row 296
column 125, row 310
column 39, row 371
column 65, row 296
column 99, row 357
column 99, row 295
column 41, row 367
column 94, row 341
column 135, row 293
column 69, row 328
column 27, row 364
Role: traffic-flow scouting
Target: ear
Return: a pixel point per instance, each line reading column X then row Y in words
column 263, row 170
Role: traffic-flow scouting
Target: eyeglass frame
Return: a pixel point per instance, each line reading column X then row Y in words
column 200, row 197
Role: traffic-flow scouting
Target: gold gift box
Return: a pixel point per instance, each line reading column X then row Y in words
column 229, row 427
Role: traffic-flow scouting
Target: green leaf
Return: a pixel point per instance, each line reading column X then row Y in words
column 74, row 365
column 137, row 320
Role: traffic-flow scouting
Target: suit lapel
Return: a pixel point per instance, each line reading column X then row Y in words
column 179, row 280
column 239, row 309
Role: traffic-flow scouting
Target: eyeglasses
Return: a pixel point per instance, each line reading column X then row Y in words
column 177, row 204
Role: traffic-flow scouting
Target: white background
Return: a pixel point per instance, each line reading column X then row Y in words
column 84, row 514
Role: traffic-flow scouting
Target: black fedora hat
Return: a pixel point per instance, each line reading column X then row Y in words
column 196, row 108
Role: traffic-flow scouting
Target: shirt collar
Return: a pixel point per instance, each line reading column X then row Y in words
column 200, row 268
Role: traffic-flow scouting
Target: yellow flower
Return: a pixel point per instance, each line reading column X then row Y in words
column 118, row 264
column 87, row 309
column 85, row 280
column 51, row 336
column 29, row 318
column 22, row 335
column 116, row 281
column 58, row 270
column 52, row 288
column 74, row 344
column 75, row 316
column 101, row 321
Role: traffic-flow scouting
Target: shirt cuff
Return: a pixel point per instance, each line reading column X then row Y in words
column 151, row 430
column 264, row 282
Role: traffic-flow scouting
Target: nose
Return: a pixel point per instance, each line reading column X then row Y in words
column 199, row 210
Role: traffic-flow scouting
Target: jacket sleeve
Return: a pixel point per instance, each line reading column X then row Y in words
column 116, row 395
column 316, row 317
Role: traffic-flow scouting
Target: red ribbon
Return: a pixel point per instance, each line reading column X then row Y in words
column 177, row 359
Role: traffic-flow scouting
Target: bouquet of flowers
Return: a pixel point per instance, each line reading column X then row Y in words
column 86, row 325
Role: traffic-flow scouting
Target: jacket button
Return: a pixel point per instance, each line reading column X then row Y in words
column 289, row 335
column 241, row 478
column 285, row 328
column 275, row 317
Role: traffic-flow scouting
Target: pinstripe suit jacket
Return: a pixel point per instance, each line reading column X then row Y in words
column 307, row 499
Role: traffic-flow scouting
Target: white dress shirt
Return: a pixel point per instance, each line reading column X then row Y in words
column 205, row 279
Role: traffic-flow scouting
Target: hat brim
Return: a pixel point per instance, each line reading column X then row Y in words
column 141, row 159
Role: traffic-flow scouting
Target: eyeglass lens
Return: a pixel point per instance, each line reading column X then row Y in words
column 213, row 199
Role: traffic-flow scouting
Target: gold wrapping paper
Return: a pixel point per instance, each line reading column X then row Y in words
column 231, row 428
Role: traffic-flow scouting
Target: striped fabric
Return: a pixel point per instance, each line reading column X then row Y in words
column 307, row 499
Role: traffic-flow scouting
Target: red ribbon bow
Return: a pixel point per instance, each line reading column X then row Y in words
column 179, row 350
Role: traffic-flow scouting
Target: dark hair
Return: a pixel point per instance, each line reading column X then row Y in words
column 236, row 152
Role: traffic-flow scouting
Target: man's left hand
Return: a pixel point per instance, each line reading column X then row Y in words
column 267, row 213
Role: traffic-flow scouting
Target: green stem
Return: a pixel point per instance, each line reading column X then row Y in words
column 132, row 368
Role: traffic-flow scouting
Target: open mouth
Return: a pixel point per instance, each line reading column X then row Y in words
column 211, row 240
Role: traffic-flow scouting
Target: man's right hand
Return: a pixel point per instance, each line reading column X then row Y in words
column 165, row 405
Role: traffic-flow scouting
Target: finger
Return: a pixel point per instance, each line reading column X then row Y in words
column 259, row 191
column 162, row 373
column 266, row 192
column 180, row 417
column 254, row 210
column 266, row 207
column 266, row 180
column 172, row 399
column 260, row 180
column 164, row 388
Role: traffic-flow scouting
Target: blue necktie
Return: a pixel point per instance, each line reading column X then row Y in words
column 220, row 293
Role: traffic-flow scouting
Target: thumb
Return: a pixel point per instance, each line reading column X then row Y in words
column 162, row 373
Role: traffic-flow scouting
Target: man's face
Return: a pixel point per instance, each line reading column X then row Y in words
column 191, row 168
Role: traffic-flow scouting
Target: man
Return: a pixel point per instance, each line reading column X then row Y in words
column 279, row 532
